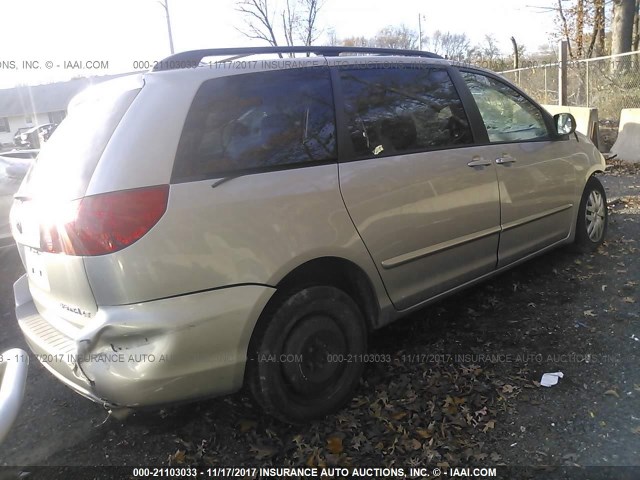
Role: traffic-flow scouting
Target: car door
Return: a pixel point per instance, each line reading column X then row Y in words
column 535, row 175
column 422, row 197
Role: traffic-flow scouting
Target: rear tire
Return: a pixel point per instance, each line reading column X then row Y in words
column 303, row 361
column 591, row 227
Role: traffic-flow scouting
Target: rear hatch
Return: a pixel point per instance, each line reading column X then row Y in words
column 50, row 195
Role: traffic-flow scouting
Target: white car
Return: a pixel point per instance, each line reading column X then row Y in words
column 14, row 364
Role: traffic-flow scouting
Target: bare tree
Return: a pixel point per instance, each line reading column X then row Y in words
column 451, row 45
column 636, row 28
column 309, row 31
column 356, row 42
column 397, row 37
column 622, row 32
column 582, row 24
column 289, row 23
column 566, row 31
column 490, row 49
column 622, row 26
column 332, row 38
column 258, row 20
column 298, row 20
column 597, row 43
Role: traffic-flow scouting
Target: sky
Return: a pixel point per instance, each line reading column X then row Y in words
column 53, row 40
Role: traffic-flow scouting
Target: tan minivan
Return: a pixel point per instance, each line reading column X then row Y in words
column 247, row 221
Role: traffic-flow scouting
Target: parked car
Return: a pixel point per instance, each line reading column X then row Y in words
column 14, row 365
column 17, row 137
column 253, row 230
column 33, row 137
column 16, row 163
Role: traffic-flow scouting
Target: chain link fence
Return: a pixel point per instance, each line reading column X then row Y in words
column 607, row 83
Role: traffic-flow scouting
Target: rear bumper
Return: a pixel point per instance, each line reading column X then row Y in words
column 150, row 353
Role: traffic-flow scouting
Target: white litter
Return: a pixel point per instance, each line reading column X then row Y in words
column 550, row 379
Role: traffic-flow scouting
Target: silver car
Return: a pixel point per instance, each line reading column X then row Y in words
column 209, row 225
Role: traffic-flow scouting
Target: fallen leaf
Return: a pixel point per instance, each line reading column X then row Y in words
column 636, row 430
column 628, row 300
column 413, row 444
column 178, row 457
column 358, row 440
column 589, row 313
column 490, row 424
column 334, row 444
column 612, row 393
column 399, row 415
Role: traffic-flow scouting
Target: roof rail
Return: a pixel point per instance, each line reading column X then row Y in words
column 193, row 58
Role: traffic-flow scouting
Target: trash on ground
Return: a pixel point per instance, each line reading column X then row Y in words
column 550, row 379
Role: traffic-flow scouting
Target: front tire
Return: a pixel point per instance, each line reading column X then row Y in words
column 591, row 227
column 304, row 360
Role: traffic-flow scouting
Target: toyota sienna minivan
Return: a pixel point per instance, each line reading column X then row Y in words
column 230, row 219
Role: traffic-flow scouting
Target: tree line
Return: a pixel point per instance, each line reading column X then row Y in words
column 590, row 27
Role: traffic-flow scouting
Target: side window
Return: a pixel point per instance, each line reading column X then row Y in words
column 257, row 120
column 398, row 110
column 507, row 115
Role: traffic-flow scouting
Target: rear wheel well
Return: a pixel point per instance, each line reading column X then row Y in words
column 339, row 273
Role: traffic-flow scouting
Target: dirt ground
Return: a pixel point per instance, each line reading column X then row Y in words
column 461, row 386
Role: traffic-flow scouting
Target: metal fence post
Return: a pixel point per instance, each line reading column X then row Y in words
column 562, row 74
column 587, row 64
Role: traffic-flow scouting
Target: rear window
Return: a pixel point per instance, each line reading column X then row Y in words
column 257, row 121
column 67, row 160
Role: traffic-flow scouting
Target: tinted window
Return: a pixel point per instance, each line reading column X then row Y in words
column 257, row 120
column 507, row 115
column 396, row 110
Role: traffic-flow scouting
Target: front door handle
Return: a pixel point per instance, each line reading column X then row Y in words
column 505, row 160
column 478, row 162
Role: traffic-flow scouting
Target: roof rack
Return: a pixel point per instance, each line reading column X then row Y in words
column 194, row 57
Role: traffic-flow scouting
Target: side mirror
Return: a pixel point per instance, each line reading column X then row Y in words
column 565, row 123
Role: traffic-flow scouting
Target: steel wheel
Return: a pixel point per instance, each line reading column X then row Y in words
column 305, row 357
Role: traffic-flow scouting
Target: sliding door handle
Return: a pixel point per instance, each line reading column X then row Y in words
column 479, row 162
column 506, row 160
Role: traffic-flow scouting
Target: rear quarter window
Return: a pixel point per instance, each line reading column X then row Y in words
column 257, row 121
column 68, row 159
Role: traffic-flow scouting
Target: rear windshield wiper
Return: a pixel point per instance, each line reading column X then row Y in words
column 226, row 179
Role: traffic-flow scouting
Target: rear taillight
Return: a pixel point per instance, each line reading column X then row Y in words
column 105, row 223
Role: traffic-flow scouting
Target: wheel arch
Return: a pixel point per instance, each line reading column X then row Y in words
column 340, row 273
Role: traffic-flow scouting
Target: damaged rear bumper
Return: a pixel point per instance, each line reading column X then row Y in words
column 150, row 353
